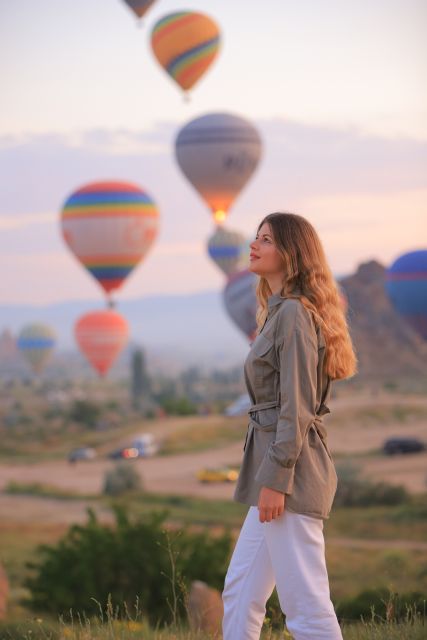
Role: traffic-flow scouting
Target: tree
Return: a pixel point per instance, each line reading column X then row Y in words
column 140, row 379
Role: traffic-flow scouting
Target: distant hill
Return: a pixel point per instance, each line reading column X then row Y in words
column 386, row 345
column 179, row 331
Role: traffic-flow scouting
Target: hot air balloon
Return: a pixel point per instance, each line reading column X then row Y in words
column 225, row 247
column 139, row 7
column 406, row 285
column 36, row 342
column 101, row 335
column 185, row 44
column 240, row 301
column 218, row 153
column 109, row 226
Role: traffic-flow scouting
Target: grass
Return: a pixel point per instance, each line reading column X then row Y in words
column 81, row 628
column 42, row 490
column 205, row 435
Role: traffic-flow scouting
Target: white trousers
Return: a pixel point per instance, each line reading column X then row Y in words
column 288, row 553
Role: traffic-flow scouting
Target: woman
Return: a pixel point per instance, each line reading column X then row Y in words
column 287, row 475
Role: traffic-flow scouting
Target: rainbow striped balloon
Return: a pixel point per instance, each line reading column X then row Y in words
column 110, row 227
column 185, row 44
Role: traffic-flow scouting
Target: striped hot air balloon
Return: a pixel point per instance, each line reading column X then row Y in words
column 101, row 336
column 110, row 227
column 139, row 7
column 225, row 247
column 36, row 342
column 240, row 301
column 218, row 153
column 406, row 285
column 185, row 44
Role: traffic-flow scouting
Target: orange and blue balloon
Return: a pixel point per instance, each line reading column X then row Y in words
column 36, row 343
column 185, row 44
column 406, row 285
column 110, row 227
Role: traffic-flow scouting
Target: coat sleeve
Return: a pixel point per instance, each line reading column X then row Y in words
column 298, row 358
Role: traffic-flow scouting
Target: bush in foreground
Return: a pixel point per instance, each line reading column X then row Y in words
column 131, row 561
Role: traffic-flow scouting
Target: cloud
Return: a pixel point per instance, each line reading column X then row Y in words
column 37, row 172
column 24, row 221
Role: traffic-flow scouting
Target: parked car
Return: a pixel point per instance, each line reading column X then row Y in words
column 221, row 474
column 403, row 445
column 81, row 453
column 146, row 445
column 125, row 453
column 143, row 446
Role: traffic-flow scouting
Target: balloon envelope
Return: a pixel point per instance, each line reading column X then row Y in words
column 240, row 301
column 406, row 285
column 110, row 227
column 185, row 43
column 101, row 336
column 139, row 7
column 36, row 342
column 225, row 247
column 218, row 153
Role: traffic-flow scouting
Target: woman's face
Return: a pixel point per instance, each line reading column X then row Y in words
column 264, row 259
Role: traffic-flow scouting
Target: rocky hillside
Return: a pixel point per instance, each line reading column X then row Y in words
column 386, row 345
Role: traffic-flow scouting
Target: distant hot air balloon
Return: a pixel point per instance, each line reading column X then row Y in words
column 225, row 247
column 185, row 44
column 101, row 336
column 218, row 153
column 36, row 342
column 139, row 7
column 109, row 226
column 244, row 255
column 240, row 301
column 406, row 285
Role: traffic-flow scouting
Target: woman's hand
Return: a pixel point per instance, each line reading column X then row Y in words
column 271, row 504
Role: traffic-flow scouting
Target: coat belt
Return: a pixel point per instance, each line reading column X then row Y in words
column 271, row 404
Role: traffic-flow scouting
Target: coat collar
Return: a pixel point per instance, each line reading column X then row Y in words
column 277, row 298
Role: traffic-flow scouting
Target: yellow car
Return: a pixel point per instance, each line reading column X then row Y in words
column 221, row 474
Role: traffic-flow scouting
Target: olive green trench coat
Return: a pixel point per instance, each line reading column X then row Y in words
column 285, row 447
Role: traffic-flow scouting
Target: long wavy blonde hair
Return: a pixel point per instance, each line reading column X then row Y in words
column 307, row 277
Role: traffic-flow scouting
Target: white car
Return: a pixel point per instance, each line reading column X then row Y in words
column 146, row 445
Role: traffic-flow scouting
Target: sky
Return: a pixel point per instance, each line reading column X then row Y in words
column 336, row 88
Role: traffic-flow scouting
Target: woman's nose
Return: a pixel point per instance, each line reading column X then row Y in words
column 253, row 244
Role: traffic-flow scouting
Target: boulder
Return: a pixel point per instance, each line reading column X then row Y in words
column 205, row 609
column 4, row 592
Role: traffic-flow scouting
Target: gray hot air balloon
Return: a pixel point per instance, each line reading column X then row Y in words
column 218, row 153
column 240, row 301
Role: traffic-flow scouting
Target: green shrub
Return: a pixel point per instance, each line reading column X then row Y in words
column 85, row 412
column 122, row 479
column 354, row 491
column 384, row 604
column 179, row 406
column 131, row 561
